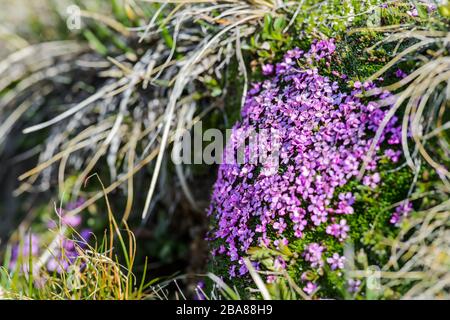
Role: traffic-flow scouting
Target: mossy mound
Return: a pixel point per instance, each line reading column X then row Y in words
column 310, row 251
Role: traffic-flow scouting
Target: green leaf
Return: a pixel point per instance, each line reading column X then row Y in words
column 267, row 24
column 279, row 24
column 167, row 37
column 95, row 43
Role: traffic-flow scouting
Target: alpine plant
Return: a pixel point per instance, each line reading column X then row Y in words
column 307, row 200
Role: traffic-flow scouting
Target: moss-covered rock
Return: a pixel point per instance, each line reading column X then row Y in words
column 310, row 251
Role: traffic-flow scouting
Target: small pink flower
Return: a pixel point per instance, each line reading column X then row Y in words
column 339, row 230
column 310, row 288
column 336, row 261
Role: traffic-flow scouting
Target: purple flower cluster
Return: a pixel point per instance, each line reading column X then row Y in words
column 401, row 211
column 72, row 221
column 430, row 6
column 65, row 252
column 29, row 247
column 310, row 287
column 353, row 285
column 326, row 135
column 313, row 254
column 336, row 261
column 338, row 230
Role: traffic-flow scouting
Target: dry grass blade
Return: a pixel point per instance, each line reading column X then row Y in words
column 421, row 90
